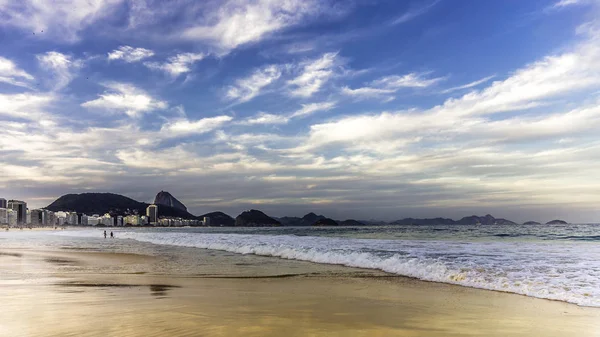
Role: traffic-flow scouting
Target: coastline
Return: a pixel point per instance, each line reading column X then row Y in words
column 56, row 292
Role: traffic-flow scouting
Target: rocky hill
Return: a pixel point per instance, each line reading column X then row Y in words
column 218, row 219
column 166, row 199
column 115, row 204
column 434, row 221
column 469, row 220
column 306, row 220
column 325, row 222
column 255, row 218
column 350, row 222
column 557, row 222
column 484, row 220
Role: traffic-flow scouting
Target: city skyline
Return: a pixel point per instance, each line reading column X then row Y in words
column 465, row 107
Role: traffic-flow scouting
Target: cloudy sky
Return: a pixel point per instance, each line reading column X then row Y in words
column 355, row 109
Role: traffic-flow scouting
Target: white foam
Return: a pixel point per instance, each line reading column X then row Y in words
column 567, row 272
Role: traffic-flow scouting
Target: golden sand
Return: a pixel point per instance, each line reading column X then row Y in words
column 40, row 297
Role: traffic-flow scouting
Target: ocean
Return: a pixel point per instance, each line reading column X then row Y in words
column 556, row 262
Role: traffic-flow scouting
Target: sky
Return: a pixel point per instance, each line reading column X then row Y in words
column 358, row 109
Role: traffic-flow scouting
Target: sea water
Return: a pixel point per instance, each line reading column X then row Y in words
column 558, row 262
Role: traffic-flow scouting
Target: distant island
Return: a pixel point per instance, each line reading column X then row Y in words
column 557, row 222
column 171, row 208
column 253, row 218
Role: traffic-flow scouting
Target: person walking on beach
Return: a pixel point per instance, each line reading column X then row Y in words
column 105, row 234
column 111, row 235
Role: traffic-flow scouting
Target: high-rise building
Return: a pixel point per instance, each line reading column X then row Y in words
column 206, row 221
column 12, row 217
column 152, row 214
column 21, row 208
column 3, row 203
column 36, row 217
column 3, row 216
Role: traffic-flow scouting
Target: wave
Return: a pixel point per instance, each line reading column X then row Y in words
column 557, row 271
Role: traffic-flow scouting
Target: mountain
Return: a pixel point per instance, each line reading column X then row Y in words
column 557, row 222
column 115, row 204
column 166, row 199
column 413, row 221
column 469, row 220
column 484, row 220
column 255, row 218
column 289, row 220
column 306, row 220
column 373, row 222
column 531, row 223
column 219, row 219
column 350, row 222
column 325, row 222
column 311, row 218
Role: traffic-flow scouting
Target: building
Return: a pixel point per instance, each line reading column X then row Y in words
column 119, row 221
column 107, row 220
column 132, row 220
column 12, row 217
column 206, row 221
column 49, row 218
column 3, row 203
column 72, row 218
column 21, row 208
column 34, row 217
column 152, row 214
column 93, row 220
column 3, row 216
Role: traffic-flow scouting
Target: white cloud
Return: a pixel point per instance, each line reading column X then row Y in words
column 389, row 85
column 414, row 12
column 313, row 75
column 237, row 23
column 306, row 110
column 249, row 87
column 552, row 76
column 311, row 108
column 468, row 116
column 565, row 3
column 469, row 85
column 266, row 118
column 11, row 74
column 184, row 126
column 366, row 92
column 178, row 64
column 412, row 80
column 62, row 67
column 130, row 54
column 125, row 98
column 61, row 20
column 26, row 106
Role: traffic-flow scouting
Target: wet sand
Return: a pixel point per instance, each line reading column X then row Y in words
column 81, row 293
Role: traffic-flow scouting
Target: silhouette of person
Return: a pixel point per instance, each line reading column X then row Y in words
column 111, row 235
column 105, row 234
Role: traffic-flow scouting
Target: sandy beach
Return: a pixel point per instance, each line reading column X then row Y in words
column 107, row 290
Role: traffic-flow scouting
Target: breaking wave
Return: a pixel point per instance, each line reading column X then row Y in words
column 568, row 272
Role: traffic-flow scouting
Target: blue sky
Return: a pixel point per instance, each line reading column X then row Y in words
column 354, row 109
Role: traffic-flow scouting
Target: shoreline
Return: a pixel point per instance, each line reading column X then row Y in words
column 144, row 301
column 368, row 271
